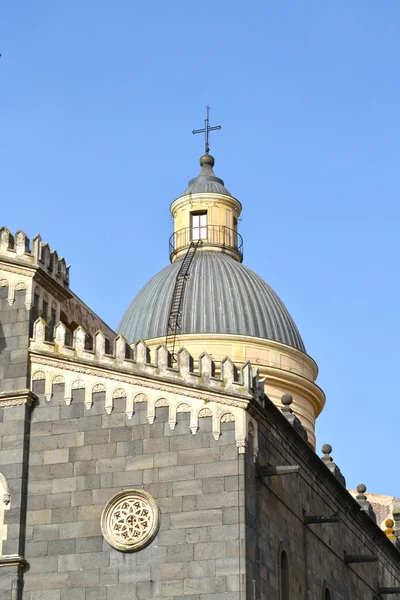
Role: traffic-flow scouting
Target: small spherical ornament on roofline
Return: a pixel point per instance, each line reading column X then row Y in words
column 130, row 520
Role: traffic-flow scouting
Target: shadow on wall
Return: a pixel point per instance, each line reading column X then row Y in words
column 3, row 344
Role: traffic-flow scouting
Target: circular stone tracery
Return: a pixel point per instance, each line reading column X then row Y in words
column 130, row 520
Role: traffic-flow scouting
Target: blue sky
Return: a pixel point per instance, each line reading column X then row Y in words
column 98, row 101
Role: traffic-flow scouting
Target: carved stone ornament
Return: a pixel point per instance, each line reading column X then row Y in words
column 130, row 520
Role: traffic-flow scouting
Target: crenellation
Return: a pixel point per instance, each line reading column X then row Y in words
column 243, row 382
column 17, row 247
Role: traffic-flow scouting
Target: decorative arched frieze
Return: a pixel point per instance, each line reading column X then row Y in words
column 227, row 417
column 98, row 388
column 115, row 385
column 204, row 412
column 140, row 397
column 38, row 376
column 161, row 403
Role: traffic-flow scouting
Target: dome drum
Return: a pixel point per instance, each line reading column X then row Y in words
column 218, row 236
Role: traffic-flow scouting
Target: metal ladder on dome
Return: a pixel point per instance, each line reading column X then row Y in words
column 174, row 312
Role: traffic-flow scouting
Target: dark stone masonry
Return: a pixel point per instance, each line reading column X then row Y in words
column 243, row 507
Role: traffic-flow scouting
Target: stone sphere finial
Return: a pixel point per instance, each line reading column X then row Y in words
column 207, row 159
column 361, row 488
column 286, row 399
column 326, row 448
column 389, row 523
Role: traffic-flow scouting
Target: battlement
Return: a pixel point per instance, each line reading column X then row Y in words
column 136, row 360
column 17, row 247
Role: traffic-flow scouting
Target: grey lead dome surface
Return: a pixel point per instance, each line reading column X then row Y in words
column 221, row 296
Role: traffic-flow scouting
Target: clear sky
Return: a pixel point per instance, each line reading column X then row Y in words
column 98, row 100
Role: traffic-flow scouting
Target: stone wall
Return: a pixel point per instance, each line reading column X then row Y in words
column 274, row 515
column 14, row 341
column 79, row 459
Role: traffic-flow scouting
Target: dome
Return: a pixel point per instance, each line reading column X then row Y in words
column 206, row 181
column 221, row 296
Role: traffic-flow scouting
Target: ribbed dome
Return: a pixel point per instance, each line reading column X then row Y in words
column 206, row 181
column 221, row 296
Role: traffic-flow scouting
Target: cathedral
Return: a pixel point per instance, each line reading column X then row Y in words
column 176, row 457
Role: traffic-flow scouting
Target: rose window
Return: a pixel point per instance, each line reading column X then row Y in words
column 130, row 520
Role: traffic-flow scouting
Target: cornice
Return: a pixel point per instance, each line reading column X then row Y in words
column 204, row 198
column 23, row 397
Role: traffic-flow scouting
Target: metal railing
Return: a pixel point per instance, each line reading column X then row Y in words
column 212, row 235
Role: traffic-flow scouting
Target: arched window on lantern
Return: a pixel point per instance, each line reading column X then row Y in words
column 284, row 576
column 327, row 595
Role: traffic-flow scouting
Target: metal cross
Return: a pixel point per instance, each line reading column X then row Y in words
column 207, row 128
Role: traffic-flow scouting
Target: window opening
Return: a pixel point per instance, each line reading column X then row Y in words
column 284, row 576
column 199, row 226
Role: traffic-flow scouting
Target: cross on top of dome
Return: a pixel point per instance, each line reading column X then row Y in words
column 206, row 129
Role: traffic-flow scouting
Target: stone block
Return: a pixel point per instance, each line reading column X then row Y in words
column 85, row 467
column 205, row 586
column 89, row 513
column 67, row 484
column 121, row 592
column 207, row 550
column 45, row 532
column 99, row 593
column 218, row 469
column 142, row 461
column 45, row 595
column 61, row 471
column 73, row 594
column 185, row 488
column 165, row 459
column 198, row 518
column 52, row 581
column 43, row 564
column 202, row 568
column 148, row 589
column 134, row 574
column 104, row 450
column 35, row 549
column 82, row 579
column 70, row 440
column 38, row 517
column 205, row 501
column 198, row 455
column 123, row 479
column 80, row 453
column 58, row 547
column 176, row 473
column 64, row 515
column 180, row 553
column 111, row 465
column 51, row 457
column 155, row 445
column 227, row 566
column 83, row 562
column 172, row 588
column 162, row 572
column 58, row 500
column 90, row 544
column 80, row 529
